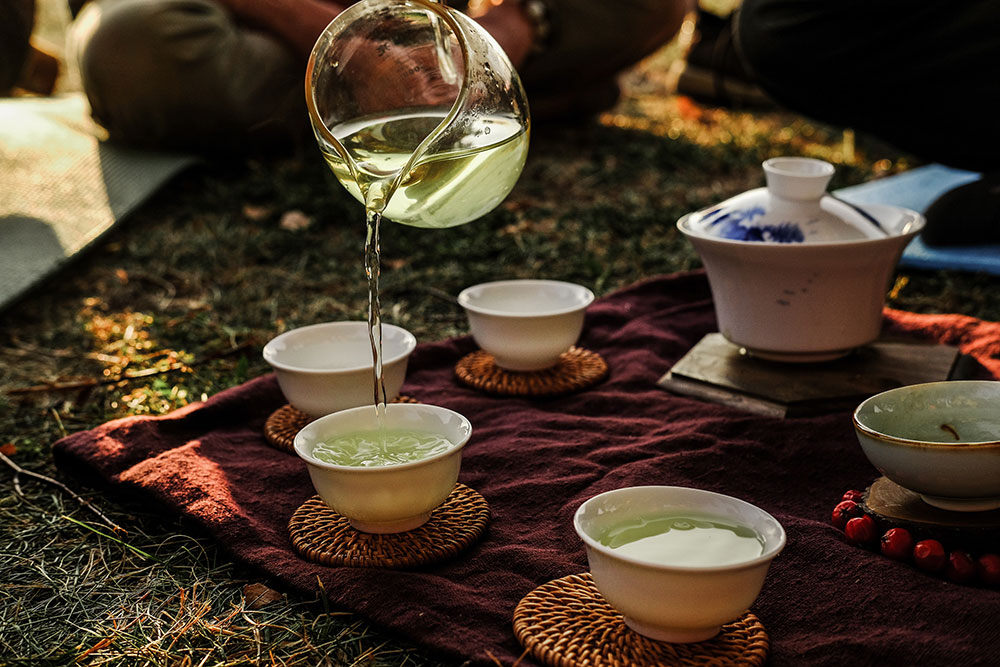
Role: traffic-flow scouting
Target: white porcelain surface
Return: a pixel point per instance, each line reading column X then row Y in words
column 939, row 439
column 803, row 301
column 323, row 368
column 392, row 498
column 525, row 324
column 675, row 603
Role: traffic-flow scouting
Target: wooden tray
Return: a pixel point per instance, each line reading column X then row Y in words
column 718, row 371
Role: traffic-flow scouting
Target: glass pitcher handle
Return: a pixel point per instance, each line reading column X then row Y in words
column 443, row 45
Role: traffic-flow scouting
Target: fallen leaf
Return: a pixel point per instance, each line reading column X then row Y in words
column 688, row 108
column 259, row 595
column 8, row 449
column 293, row 221
column 255, row 213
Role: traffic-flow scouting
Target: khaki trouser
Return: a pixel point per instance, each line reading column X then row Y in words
column 183, row 74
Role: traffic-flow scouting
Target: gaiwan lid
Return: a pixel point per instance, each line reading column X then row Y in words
column 793, row 208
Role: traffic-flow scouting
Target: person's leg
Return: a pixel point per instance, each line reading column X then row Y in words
column 712, row 71
column 181, row 74
column 592, row 41
column 919, row 75
column 17, row 18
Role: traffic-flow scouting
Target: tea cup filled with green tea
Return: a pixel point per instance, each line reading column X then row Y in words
column 326, row 367
column 385, row 472
column 678, row 563
column 525, row 324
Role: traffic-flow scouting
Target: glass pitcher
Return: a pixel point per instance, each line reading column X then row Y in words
column 417, row 111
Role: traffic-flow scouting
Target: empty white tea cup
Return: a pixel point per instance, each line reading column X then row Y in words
column 677, row 593
column 393, row 497
column 323, row 368
column 525, row 324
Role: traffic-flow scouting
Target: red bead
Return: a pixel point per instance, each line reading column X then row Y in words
column 843, row 512
column 988, row 569
column 929, row 555
column 860, row 529
column 897, row 543
column 960, row 568
column 854, row 495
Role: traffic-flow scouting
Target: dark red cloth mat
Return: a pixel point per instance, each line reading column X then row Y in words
column 825, row 602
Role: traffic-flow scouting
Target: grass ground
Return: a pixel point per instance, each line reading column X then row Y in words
column 176, row 304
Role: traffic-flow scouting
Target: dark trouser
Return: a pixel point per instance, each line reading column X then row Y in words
column 924, row 75
column 17, row 17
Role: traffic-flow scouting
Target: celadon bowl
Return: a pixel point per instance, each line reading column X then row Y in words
column 940, row 440
column 323, row 368
column 390, row 498
column 525, row 324
column 675, row 603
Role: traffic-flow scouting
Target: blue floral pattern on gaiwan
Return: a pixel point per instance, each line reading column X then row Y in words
column 737, row 224
column 793, row 208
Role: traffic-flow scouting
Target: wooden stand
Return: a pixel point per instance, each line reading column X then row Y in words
column 893, row 506
column 718, row 371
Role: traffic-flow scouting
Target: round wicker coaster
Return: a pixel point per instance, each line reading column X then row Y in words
column 567, row 623
column 577, row 369
column 323, row 536
column 281, row 427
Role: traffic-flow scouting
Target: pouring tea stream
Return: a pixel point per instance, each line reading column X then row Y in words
column 421, row 117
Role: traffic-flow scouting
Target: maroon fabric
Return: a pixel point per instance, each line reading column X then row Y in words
column 825, row 602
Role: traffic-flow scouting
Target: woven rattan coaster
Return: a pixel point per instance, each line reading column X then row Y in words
column 281, row 427
column 322, row 535
column 567, row 623
column 577, row 369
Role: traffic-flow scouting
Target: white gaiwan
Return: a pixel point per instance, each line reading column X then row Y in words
column 798, row 275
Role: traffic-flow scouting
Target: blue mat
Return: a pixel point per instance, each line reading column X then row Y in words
column 62, row 188
column 917, row 189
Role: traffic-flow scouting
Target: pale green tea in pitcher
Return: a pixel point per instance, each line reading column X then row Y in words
column 460, row 184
